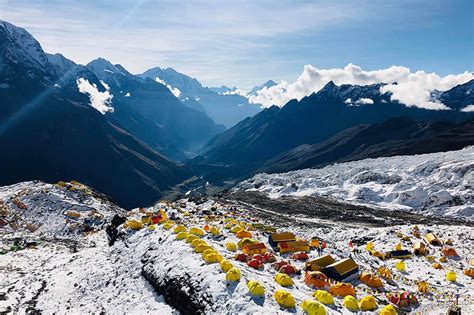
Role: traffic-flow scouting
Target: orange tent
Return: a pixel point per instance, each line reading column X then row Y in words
column 469, row 272
column 316, row 279
column 243, row 234
column 371, row 280
column 449, row 252
column 342, row 289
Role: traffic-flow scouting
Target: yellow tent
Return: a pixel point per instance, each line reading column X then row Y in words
column 231, row 246
column 226, row 265
column 388, row 310
column 283, row 237
column 401, row 266
column 367, row 303
column 319, row 263
column 324, row 297
column 181, row 235
column 350, row 303
column 284, row 299
column 283, row 279
column 313, row 307
column 431, row 239
column 233, row 275
column 255, row 288
column 451, row 276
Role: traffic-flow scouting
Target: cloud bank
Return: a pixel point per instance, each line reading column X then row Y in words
column 412, row 88
column 99, row 100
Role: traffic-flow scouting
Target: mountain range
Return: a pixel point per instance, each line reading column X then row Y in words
column 226, row 109
column 138, row 137
column 251, row 144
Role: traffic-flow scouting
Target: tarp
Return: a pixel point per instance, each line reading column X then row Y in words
column 342, row 269
column 275, row 238
column 319, row 263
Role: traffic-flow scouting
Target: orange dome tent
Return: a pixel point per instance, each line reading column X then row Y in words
column 342, row 289
column 315, row 279
column 243, row 234
column 449, row 252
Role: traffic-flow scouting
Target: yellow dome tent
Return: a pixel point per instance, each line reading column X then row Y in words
column 226, row 265
column 423, row 287
column 179, row 228
column 283, row 279
column 231, row 246
column 214, row 231
column 135, row 225
column 367, row 303
column 284, row 299
column 350, row 303
column 233, row 275
column 388, row 310
column 191, row 238
column 313, row 307
column 369, row 246
column 181, row 235
column 324, row 297
column 255, row 288
column 401, row 266
column 451, row 276
column 197, row 231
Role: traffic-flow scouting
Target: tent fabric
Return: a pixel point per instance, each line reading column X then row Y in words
column 313, row 307
column 283, row 279
column 315, row 279
column 319, row 263
column 449, row 252
column 342, row 289
column 226, row 265
column 388, row 310
column 351, row 303
column 255, row 288
column 254, row 249
column 284, row 299
column 324, row 297
column 419, row 248
column 342, row 269
column 243, row 234
column 431, row 239
column 291, row 247
column 233, row 275
column 451, row 276
column 283, row 237
column 368, row 303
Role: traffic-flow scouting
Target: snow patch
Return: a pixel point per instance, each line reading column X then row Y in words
column 101, row 101
column 176, row 92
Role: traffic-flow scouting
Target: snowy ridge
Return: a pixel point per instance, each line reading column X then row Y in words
column 435, row 184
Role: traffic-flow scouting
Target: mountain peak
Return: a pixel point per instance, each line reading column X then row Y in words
column 25, row 46
column 101, row 64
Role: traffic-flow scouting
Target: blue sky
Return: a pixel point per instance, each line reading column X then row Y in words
column 243, row 43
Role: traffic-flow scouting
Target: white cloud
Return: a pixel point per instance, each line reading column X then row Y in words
column 468, row 109
column 176, row 92
column 364, row 101
column 99, row 100
column 236, row 92
column 412, row 88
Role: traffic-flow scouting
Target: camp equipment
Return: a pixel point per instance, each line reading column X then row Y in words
column 369, row 246
column 226, row 265
column 367, row 303
column 288, row 269
column 241, row 257
column 252, row 249
column 342, row 289
column 134, row 224
column 300, row 256
column 313, row 307
column 342, row 269
column 437, row 266
column 371, row 280
column 319, row 263
column 254, row 263
column 181, row 235
column 388, row 310
column 469, row 272
column 246, row 241
column 400, row 254
column 197, row 231
column 255, row 288
column 324, row 297
column 179, row 228
column 291, row 247
column 419, row 249
column 451, row 276
column 449, row 252
column 284, row 299
column 315, row 279
column 212, row 258
column 214, row 231
column 233, row 275
column 196, row 241
column 314, row 243
column 276, row 238
column 350, row 303
column 431, row 239
column 400, row 265
column 283, row 279
column 243, row 234
column 385, row 273
column 191, row 238
column 231, row 246
column 423, row 286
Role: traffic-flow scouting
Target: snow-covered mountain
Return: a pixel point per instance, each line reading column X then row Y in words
column 435, row 184
column 257, row 88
